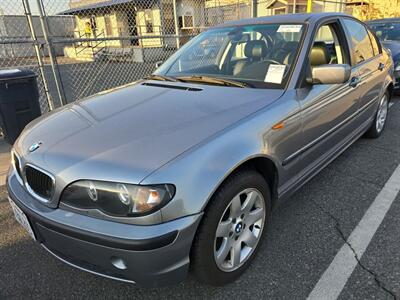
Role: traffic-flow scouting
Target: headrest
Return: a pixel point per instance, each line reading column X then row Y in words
column 319, row 54
column 255, row 49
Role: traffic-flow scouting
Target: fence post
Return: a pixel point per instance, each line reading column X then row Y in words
column 28, row 15
column 309, row 6
column 176, row 24
column 254, row 8
column 53, row 62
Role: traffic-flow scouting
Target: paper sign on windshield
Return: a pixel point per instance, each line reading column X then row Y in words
column 289, row 28
column 275, row 74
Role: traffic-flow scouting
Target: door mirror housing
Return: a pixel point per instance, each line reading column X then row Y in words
column 330, row 74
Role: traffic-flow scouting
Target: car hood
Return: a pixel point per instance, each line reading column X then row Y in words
column 131, row 131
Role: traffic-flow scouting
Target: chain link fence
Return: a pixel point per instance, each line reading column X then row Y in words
column 17, row 47
column 81, row 47
column 116, row 42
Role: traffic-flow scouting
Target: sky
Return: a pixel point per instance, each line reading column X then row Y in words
column 15, row 7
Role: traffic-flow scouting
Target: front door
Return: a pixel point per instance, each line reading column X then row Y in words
column 328, row 110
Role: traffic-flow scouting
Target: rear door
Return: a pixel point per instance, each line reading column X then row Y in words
column 367, row 60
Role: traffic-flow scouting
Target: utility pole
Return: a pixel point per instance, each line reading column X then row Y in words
column 254, row 8
column 309, row 6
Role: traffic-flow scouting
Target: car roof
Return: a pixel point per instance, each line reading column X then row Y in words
column 383, row 20
column 287, row 18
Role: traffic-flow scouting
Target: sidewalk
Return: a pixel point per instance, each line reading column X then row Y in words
column 4, row 160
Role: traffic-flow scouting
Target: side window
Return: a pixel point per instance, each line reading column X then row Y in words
column 359, row 40
column 327, row 48
column 374, row 43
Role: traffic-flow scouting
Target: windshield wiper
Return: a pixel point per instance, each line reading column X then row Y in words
column 161, row 78
column 213, row 80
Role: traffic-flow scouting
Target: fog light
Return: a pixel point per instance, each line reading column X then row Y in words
column 119, row 263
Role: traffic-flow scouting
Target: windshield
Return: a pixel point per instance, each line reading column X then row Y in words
column 259, row 56
column 387, row 31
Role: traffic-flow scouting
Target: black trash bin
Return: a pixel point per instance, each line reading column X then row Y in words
column 19, row 101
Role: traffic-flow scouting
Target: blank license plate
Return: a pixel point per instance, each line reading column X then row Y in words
column 21, row 218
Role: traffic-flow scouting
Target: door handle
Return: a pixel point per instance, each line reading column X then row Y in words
column 354, row 81
column 381, row 66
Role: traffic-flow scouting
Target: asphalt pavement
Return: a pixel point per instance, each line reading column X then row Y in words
column 305, row 234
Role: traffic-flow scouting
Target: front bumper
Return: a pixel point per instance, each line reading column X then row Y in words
column 150, row 255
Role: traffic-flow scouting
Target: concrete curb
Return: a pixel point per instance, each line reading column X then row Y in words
column 3, row 177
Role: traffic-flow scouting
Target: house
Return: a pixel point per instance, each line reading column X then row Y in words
column 276, row 7
column 114, row 24
column 220, row 11
column 135, row 29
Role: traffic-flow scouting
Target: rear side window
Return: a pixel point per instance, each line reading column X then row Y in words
column 374, row 43
column 361, row 46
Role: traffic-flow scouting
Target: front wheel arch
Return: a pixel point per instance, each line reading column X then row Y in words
column 202, row 249
column 263, row 165
column 390, row 89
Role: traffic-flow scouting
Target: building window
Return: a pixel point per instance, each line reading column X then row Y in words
column 108, row 25
column 148, row 18
column 280, row 11
column 186, row 22
column 93, row 23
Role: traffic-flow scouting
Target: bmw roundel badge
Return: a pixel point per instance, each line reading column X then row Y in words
column 34, row 146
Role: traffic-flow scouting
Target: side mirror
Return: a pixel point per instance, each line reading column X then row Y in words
column 330, row 74
column 159, row 63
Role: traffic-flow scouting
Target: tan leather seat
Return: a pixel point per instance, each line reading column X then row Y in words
column 254, row 51
column 319, row 54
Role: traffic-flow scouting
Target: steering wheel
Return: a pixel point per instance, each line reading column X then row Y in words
column 274, row 62
column 268, row 41
column 278, row 43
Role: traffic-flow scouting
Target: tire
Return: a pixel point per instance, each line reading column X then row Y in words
column 379, row 123
column 243, row 233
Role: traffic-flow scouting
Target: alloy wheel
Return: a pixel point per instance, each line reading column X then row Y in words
column 381, row 114
column 239, row 230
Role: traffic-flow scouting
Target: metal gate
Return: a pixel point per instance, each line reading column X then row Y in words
column 82, row 47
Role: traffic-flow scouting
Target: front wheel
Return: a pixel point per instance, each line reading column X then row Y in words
column 232, row 228
column 379, row 122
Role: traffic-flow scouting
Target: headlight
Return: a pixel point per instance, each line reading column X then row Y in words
column 397, row 67
column 117, row 199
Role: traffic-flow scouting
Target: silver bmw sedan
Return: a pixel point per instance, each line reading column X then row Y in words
column 183, row 168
